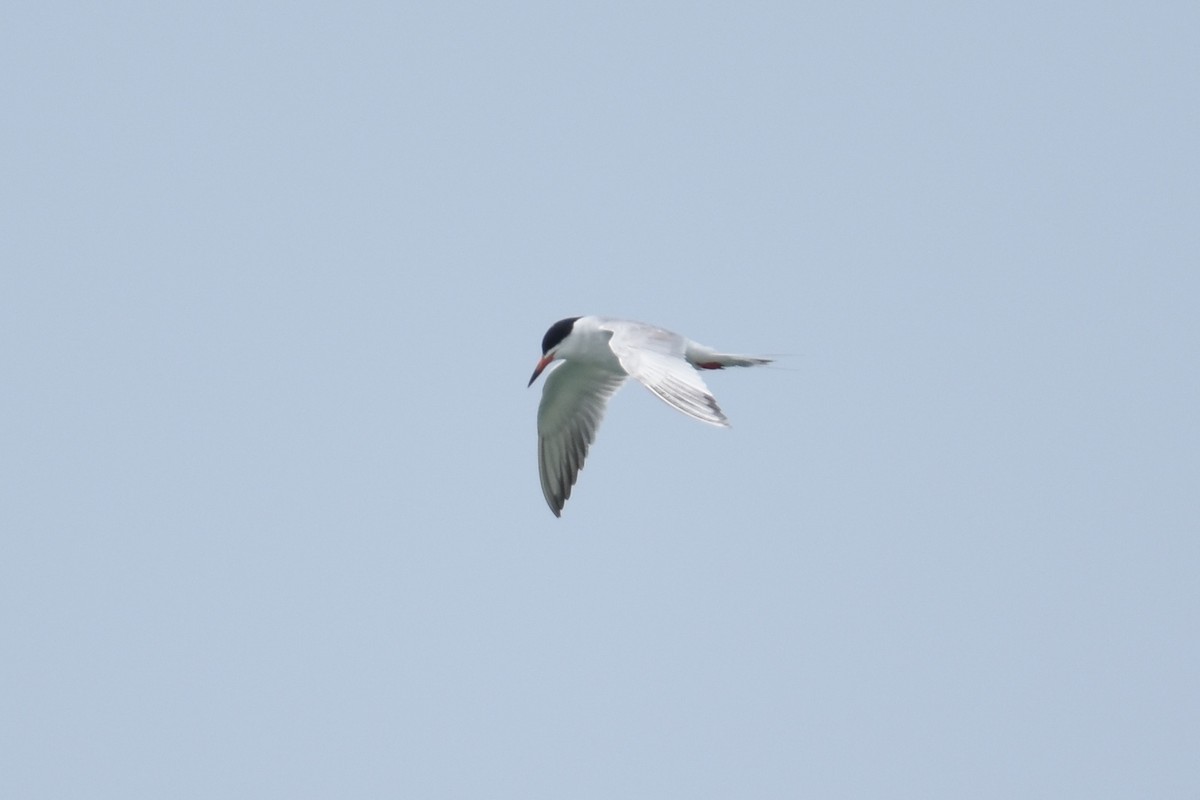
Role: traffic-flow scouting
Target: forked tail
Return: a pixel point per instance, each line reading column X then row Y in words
column 703, row 358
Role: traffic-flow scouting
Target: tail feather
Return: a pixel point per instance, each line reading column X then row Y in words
column 709, row 359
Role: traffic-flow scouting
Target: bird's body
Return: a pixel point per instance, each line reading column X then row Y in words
column 599, row 353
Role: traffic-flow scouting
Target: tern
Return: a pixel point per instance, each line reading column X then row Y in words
column 598, row 354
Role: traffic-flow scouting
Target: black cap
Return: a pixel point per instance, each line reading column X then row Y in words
column 558, row 331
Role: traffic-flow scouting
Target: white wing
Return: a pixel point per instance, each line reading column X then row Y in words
column 656, row 357
column 573, row 402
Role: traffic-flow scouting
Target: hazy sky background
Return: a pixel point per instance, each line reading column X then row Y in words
column 273, row 277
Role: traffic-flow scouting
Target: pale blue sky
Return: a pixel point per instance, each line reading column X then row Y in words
column 274, row 278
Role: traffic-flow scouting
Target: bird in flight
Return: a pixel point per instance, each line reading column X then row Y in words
column 598, row 354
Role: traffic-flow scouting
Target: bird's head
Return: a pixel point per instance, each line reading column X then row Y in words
column 550, row 342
